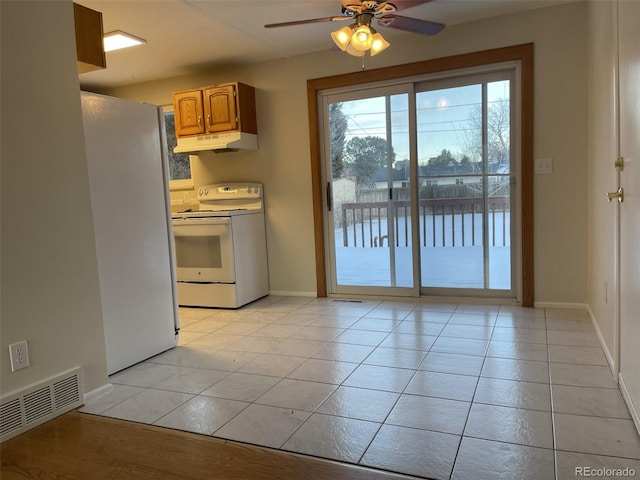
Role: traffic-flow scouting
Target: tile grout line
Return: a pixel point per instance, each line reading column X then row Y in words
column 397, row 399
column 475, row 390
column 553, row 417
column 334, row 390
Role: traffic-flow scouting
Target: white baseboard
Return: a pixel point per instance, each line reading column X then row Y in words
column 293, row 294
column 605, row 348
column 575, row 306
column 98, row 392
column 633, row 410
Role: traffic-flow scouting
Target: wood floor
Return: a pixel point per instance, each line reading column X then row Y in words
column 82, row 446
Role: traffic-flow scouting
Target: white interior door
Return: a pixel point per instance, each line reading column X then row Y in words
column 629, row 131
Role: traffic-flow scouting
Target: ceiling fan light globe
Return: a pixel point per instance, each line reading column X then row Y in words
column 352, row 51
column 378, row 44
column 342, row 37
column 362, row 38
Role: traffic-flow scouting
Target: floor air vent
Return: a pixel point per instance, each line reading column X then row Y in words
column 37, row 404
column 346, row 300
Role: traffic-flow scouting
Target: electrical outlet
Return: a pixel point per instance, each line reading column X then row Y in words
column 19, row 355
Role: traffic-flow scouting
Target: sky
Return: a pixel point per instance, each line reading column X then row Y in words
column 442, row 118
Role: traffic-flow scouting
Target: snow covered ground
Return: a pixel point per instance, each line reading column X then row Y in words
column 441, row 266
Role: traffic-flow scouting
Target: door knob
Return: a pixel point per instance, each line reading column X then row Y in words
column 619, row 194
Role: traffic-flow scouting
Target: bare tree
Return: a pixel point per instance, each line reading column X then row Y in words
column 499, row 129
column 498, row 134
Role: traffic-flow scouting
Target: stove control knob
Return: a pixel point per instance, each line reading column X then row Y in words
column 200, row 191
column 206, row 191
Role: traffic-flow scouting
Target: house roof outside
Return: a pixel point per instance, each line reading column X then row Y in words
column 440, row 170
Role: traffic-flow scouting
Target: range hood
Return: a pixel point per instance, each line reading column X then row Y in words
column 220, row 142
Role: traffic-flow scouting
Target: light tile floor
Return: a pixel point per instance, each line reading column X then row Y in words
column 429, row 390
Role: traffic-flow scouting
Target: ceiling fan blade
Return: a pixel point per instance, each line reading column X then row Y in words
column 423, row 27
column 304, row 22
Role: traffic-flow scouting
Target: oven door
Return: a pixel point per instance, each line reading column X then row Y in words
column 204, row 250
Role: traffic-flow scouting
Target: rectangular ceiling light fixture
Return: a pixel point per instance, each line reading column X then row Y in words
column 118, row 39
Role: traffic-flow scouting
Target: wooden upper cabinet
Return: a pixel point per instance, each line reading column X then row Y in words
column 188, row 113
column 227, row 107
column 220, row 108
column 89, row 39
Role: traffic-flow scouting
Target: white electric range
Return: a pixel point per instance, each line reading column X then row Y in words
column 221, row 249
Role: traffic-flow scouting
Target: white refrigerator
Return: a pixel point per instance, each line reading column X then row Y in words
column 128, row 176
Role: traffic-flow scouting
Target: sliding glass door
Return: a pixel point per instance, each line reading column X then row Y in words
column 419, row 187
column 464, row 182
column 369, row 192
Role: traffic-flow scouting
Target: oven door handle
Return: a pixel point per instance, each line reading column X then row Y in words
column 202, row 227
column 202, row 221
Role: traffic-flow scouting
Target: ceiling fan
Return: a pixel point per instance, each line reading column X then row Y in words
column 360, row 36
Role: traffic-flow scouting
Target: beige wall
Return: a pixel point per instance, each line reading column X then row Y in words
column 282, row 161
column 49, row 292
column 602, row 176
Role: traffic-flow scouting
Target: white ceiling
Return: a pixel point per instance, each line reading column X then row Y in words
column 186, row 36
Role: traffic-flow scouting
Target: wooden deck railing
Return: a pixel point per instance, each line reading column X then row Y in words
column 443, row 222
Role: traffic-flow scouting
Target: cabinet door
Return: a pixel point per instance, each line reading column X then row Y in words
column 188, row 113
column 220, row 108
column 89, row 33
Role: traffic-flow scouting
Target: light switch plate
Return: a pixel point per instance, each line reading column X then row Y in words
column 544, row 166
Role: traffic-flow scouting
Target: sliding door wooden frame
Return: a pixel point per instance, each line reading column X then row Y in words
column 520, row 53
